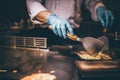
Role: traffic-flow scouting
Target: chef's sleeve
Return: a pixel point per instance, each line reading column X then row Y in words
column 92, row 6
column 34, row 7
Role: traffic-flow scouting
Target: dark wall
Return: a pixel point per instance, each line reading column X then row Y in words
column 13, row 9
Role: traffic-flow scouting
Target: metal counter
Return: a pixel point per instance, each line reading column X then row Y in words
column 29, row 61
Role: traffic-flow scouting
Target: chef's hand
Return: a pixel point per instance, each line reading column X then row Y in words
column 105, row 16
column 60, row 26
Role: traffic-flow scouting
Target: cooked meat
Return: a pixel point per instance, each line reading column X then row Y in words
column 85, row 55
column 40, row 76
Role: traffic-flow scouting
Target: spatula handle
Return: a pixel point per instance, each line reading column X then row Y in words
column 69, row 36
column 105, row 30
column 72, row 37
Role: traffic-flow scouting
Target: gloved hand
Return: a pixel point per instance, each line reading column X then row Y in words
column 105, row 16
column 60, row 26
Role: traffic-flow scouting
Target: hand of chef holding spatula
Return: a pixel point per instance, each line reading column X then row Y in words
column 60, row 26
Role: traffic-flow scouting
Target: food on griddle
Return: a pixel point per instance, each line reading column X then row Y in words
column 104, row 56
column 44, row 76
column 40, row 76
column 85, row 55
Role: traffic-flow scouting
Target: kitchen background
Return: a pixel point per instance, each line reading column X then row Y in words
column 14, row 13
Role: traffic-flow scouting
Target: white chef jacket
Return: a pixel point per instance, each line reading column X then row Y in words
column 69, row 9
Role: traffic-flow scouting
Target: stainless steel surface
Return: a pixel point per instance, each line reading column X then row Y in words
column 20, row 41
column 98, row 65
column 99, row 70
column 29, row 61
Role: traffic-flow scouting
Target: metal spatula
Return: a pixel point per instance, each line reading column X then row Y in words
column 91, row 45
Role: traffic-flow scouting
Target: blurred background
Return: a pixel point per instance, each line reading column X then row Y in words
column 14, row 13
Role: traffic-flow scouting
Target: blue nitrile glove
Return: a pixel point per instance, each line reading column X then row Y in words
column 105, row 16
column 60, row 26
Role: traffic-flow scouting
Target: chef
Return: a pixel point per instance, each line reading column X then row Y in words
column 65, row 15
